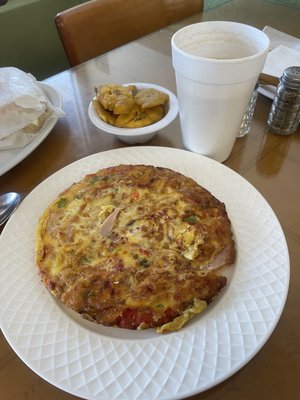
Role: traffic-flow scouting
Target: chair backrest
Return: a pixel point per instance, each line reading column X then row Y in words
column 97, row 26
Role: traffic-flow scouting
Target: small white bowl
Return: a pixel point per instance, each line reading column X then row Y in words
column 138, row 135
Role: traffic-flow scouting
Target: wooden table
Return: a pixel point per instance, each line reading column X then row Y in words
column 270, row 162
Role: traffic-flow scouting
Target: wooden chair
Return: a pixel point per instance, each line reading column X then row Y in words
column 97, row 26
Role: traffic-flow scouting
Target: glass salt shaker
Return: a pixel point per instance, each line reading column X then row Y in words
column 284, row 116
column 248, row 116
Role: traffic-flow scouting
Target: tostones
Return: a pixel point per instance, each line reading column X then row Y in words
column 106, row 115
column 139, row 118
column 116, row 98
column 147, row 98
column 127, row 107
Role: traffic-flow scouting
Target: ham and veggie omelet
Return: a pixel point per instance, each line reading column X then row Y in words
column 136, row 247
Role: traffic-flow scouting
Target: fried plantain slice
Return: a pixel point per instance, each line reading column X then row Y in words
column 106, row 115
column 116, row 98
column 123, row 119
column 147, row 98
column 139, row 118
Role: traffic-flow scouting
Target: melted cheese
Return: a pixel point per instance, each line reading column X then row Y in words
column 178, row 322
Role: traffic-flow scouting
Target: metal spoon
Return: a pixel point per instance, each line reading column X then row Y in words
column 8, row 203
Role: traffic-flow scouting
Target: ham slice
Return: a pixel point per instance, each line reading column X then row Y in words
column 225, row 257
column 108, row 223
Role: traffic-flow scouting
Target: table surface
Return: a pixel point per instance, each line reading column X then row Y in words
column 270, row 162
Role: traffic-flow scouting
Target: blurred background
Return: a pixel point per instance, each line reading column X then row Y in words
column 28, row 36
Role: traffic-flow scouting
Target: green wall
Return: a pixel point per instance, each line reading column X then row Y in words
column 28, row 36
column 208, row 4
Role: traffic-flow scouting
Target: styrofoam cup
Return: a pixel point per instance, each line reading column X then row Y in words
column 217, row 64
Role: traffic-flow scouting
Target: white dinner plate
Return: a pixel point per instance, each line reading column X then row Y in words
column 96, row 362
column 11, row 157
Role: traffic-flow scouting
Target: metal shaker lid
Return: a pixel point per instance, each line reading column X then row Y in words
column 291, row 77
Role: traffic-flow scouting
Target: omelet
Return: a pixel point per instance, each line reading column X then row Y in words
column 135, row 247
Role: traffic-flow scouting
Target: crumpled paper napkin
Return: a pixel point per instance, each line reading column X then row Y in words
column 284, row 53
column 24, row 108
